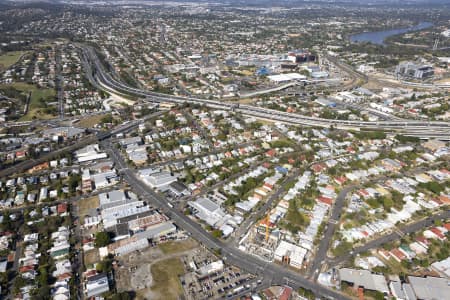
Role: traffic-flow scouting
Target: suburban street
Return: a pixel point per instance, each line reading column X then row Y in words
column 325, row 241
column 273, row 272
column 405, row 229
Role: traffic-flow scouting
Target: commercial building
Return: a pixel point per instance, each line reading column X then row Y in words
column 157, row 179
column 410, row 69
column 290, row 253
column 430, row 288
column 89, row 153
column 131, row 246
column 97, row 285
column 288, row 77
column 364, row 279
column 207, row 210
column 209, row 269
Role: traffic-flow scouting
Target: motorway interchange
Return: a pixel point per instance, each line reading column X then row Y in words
column 420, row 129
column 271, row 273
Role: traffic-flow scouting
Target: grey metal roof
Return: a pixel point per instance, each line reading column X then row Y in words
column 430, row 288
column 364, row 278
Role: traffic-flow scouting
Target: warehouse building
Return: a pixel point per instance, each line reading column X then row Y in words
column 285, row 78
column 430, row 288
column 291, row 254
column 364, row 279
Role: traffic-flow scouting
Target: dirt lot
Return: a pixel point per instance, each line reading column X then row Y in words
column 91, row 257
column 87, row 206
column 166, row 284
column 175, row 247
column 90, row 122
column 154, row 273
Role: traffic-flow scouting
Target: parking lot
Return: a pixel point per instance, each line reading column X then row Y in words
column 220, row 284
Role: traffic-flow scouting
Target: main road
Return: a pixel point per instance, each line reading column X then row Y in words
column 422, row 129
column 249, row 263
column 273, row 272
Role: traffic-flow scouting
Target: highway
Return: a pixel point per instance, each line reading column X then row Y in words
column 421, row 129
column 275, row 273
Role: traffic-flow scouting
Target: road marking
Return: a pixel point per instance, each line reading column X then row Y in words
column 399, row 232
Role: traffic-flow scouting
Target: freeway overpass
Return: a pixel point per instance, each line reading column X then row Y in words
column 421, row 129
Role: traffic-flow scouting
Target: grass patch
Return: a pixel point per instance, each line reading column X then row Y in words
column 39, row 98
column 91, row 257
column 9, row 58
column 90, row 122
column 175, row 247
column 246, row 101
column 165, row 275
column 86, row 205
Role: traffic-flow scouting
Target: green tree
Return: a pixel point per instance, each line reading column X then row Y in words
column 102, row 239
column 216, row 233
column 121, row 296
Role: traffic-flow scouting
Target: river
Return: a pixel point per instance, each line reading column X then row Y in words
column 378, row 37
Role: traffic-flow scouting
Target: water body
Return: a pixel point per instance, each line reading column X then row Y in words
column 378, row 37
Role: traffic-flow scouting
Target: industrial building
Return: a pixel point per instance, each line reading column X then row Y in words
column 364, row 279
column 157, row 179
column 288, row 77
column 430, row 288
column 290, row 253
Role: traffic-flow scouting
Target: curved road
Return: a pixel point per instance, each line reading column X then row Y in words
column 408, row 127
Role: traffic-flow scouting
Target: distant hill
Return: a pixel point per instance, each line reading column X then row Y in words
column 265, row 3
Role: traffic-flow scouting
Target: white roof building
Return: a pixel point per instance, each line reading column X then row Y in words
column 207, row 211
column 214, row 267
column 365, row 279
column 293, row 253
column 442, row 267
column 280, row 78
column 157, row 179
column 97, row 285
column 89, row 153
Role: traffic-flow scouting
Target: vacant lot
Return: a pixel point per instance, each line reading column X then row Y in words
column 175, row 247
column 91, row 257
column 9, row 58
column 153, row 273
column 87, row 206
column 90, row 122
column 38, row 102
column 166, row 283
